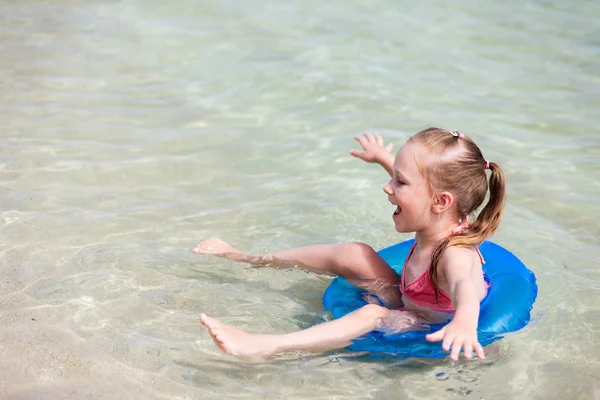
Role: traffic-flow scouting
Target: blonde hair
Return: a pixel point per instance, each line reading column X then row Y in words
column 454, row 163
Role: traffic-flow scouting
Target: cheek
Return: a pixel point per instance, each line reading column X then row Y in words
column 423, row 193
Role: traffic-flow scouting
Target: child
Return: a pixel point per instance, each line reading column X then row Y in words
column 438, row 180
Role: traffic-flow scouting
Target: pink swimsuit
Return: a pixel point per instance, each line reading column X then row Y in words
column 422, row 293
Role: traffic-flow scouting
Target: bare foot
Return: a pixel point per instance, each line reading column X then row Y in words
column 245, row 346
column 215, row 246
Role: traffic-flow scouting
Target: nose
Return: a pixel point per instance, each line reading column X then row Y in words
column 388, row 188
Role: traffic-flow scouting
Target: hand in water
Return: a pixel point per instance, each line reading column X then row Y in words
column 457, row 336
column 372, row 147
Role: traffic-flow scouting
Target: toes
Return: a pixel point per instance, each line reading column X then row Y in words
column 217, row 335
column 225, row 349
column 214, row 328
column 203, row 246
column 221, row 341
column 204, row 319
column 211, row 324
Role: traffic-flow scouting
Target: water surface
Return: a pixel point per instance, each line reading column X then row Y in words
column 131, row 130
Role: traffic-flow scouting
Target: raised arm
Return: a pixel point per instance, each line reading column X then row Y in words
column 374, row 151
column 461, row 332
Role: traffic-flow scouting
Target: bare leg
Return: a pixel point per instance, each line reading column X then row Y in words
column 329, row 335
column 350, row 260
column 357, row 262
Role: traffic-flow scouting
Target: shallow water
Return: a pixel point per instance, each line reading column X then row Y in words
column 131, row 130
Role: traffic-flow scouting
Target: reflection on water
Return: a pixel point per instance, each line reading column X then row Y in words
column 130, row 131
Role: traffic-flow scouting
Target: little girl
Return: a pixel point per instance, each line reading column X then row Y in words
column 438, row 180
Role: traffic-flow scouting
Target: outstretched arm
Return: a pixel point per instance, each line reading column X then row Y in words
column 461, row 332
column 374, row 151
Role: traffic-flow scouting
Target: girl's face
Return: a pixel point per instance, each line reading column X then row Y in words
column 409, row 192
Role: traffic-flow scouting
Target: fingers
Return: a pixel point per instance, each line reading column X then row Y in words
column 358, row 153
column 479, row 351
column 362, row 140
column 468, row 347
column 369, row 138
column 457, row 343
column 468, row 350
column 372, row 145
column 447, row 343
column 436, row 336
column 374, row 138
column 456, row 347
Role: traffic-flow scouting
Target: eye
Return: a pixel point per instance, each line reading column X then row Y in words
column 399, row 182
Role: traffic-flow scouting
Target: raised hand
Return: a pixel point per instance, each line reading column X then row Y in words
column 456, row 336
column 373, row 148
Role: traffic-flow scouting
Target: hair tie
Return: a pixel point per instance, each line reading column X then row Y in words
column 487, row 164
column 457, row 134
column 463, row 224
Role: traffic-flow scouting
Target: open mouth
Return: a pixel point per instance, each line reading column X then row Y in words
column 398, row 210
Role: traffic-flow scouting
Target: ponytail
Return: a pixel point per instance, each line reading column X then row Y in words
column 483, row 227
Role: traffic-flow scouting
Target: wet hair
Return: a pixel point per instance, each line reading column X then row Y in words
column 453, row 162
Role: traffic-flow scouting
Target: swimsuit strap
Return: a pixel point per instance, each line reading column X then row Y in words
column 410, row 253
column 480, row 255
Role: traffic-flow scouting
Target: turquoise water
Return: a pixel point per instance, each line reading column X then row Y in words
column 131, row 130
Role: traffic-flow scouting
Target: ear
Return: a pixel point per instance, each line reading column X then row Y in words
column 442, row 202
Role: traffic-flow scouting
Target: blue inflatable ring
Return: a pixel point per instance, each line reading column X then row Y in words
column 506, row 308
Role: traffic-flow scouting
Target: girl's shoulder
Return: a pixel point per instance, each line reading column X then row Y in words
column 460, row 251
column 459, row 258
